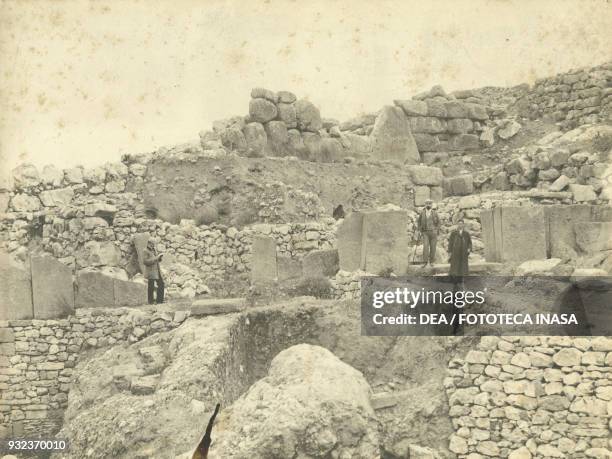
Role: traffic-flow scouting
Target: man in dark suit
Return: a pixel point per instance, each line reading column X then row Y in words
column 152, row 273
column 459, row 248
column 429, row 224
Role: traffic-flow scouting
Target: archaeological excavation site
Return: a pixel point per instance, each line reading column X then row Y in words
column 267, row 227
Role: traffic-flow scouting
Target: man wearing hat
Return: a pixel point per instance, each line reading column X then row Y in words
column 428, row 225
column 152, row 273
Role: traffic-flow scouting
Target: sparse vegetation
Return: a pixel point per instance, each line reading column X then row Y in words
column 319, row 287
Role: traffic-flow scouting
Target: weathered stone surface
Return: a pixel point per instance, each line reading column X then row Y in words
column 51, row 175
column 412, row 107
column 477, row 112
column 312, row 143
column 426, row 124
column 463, row 142
column 144, row 385
column 263, row 262
column 392, row 138
column 460, row 185
column 308, row 116
column 331, row 151
column 286, row 113
column 425, row 175
column 25, row 176
column 350, row 238
column 523, row 231
column 455, row 109
column 232, row 138
column 289, row 268
column 508, row 130
column 52, row 288
column 321, row 263
column 256, row 139
column 592, row 237
column 98, row 253
column 359, row 145
column 582, row 193
column 426, row 142
column 15, row 290
column 262, row 110
column 532, row 267
column 286, row 97
column 277, row 137
column 58, row 197
column 559, row 184
column 307, row 389
column 460, row 126
column 385, row 242
column 127, row 293
column 296, row 144
column 567, row 357
column 94, row 290
column 561, row 231
column 214, row 306
column 25, row 203
column 263, row 93
column 421, row 195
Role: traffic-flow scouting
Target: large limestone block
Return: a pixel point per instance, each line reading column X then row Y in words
column 385, row 242
column 129, row 293
column 98, row 253
column 561, row 220
column 312, row 142
column 412, row 107
column 213, row 306
column 359, row 145
column 331, row 151
column 350, row 238
column 425, row 175
column 593, row 237
column 460, row 185
column 263, row 263
column 524, row 235
column 306, row 390
column 276, row 132
column 256, row 139
column 94, row 290
column 56, row 198
column 25, row 203
column 262, row 110
column 286, row 113
column 52, row 288
column 308, row 116
column 15, row 290
column 321, row 263
column 25, row 175
column 392, row 138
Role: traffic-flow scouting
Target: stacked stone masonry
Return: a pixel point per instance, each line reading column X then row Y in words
column 532, row 397
column 37, row 358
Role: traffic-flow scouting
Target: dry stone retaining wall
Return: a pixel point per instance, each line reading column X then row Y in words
column 37, row 358
column 524, row 397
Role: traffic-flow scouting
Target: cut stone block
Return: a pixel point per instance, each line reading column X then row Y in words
column 128, row 293
column 349, row 237
column 217, row 306
column 392, row 138
column 263, row 264
column 425, row 175
column 15, row 291
column 421, row 195
column 321, row 263
column 288, row 268
column 524, row 235
column 593, row 237
column 385, row 242
column 52, row 288
column 460, row 185
column 94, row 290
column 560, row 225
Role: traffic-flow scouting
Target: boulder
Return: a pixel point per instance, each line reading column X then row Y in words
column 559, row 184
column 295, row 144
column 52, row 288
column 286, row 97
column 459, row 185
column 98, row 253
column 426, row 142
column 331, row 151
column 312, row 142
column 426, row 124
column 25, row 203
column 57, row 198
column 460, row 126
column 392, row 139
column 74, row 175
column 548, row 175
column 412, row 107
column 463, row 142
column 257, row 93
column 307, row 390
column 425, row 175
column 256, row 139
column 277, row 137
column 286, row 113
column 358, row 145
column 25, row 176
column 508, row 130
column 262, row 110
column 232, row 138
column 476, row 112
column 308, row 116
column 487, row 137
column 456, row 109
column 51, row 175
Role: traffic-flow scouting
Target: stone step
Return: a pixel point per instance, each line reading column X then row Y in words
column 212, row 306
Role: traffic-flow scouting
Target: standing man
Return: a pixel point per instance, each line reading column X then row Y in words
column 459, row 248
column 429, row 224
column 153, row 273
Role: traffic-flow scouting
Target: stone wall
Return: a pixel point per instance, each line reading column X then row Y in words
column 523, row 397
column 583, row 96
column 37, row 358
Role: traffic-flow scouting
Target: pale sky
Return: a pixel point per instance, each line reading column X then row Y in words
column 83, row 82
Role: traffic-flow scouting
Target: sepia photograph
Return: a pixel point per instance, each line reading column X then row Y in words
column 315, row 229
